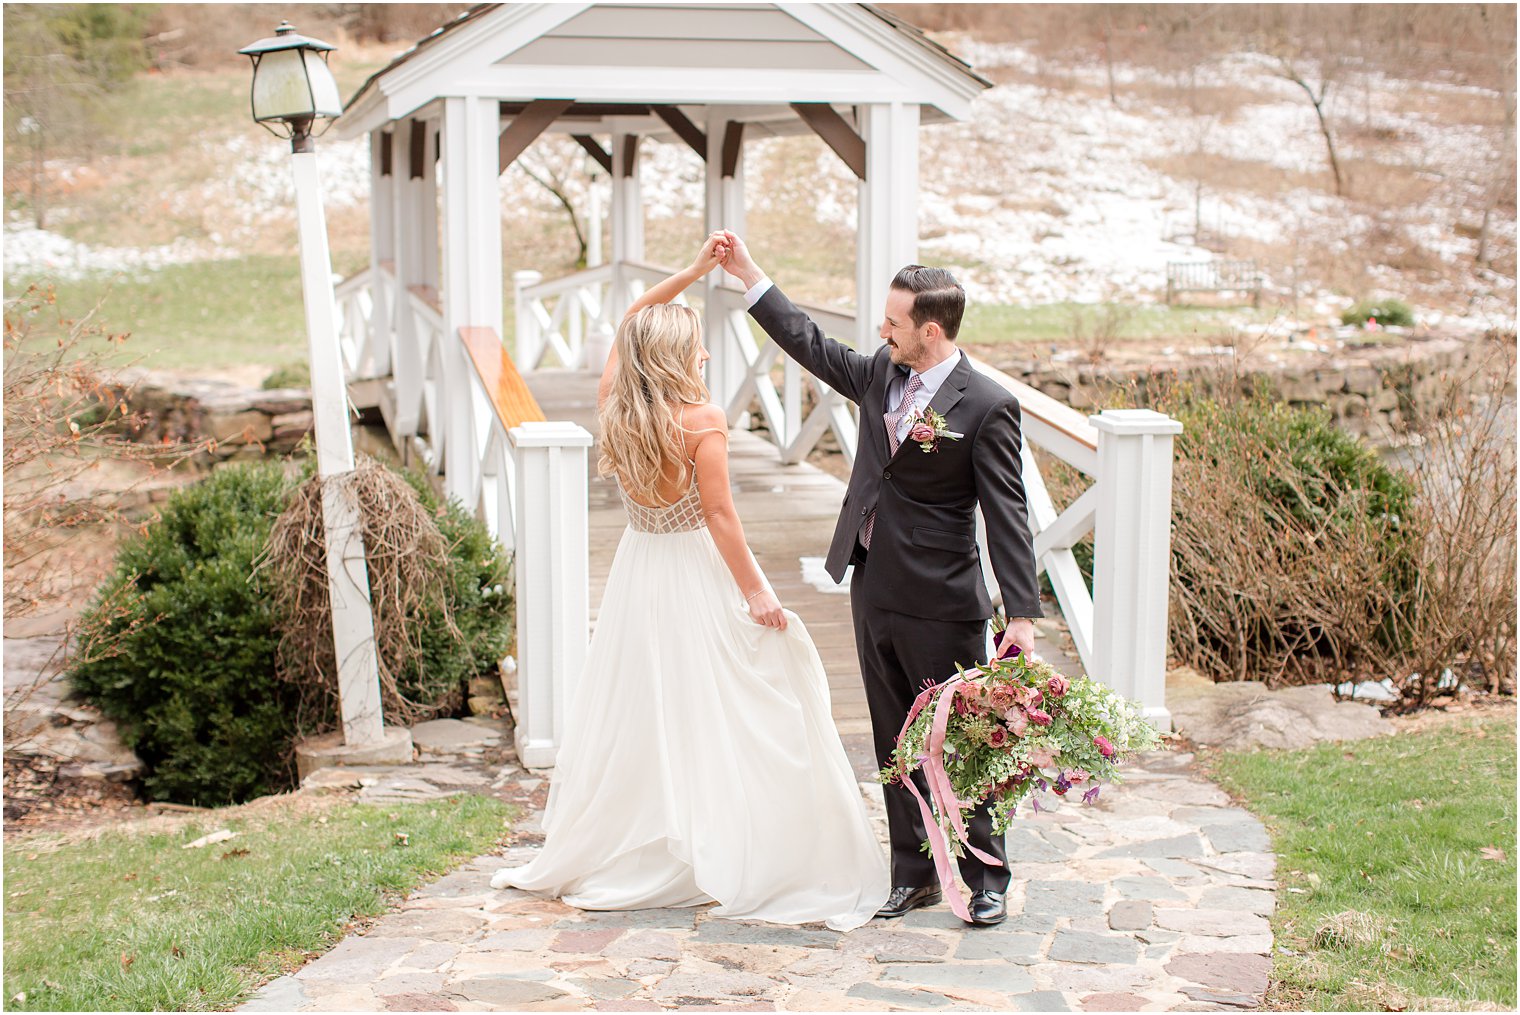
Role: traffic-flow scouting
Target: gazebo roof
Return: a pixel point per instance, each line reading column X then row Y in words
column 614, row 60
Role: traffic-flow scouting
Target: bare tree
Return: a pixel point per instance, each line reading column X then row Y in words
column 557, row 167
column 1316, row 77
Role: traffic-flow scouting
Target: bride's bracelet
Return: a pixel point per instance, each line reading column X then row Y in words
column 755, row 593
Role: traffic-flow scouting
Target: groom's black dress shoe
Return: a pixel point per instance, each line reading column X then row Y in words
column 988, row 908
column 906, row 899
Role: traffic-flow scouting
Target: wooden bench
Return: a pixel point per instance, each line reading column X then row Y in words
column 513, row 402
column 1213, row 276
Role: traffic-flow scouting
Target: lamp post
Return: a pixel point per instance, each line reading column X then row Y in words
column 293, row 88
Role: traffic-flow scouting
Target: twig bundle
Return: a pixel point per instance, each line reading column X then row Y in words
column 407, row 558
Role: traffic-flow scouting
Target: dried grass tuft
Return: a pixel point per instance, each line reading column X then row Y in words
column 407, row 559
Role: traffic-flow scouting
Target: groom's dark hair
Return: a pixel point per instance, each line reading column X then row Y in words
column 937, row 297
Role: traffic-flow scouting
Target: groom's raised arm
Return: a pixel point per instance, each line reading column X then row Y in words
column 834, row 363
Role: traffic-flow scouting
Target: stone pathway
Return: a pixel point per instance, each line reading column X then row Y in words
column 1155, row 898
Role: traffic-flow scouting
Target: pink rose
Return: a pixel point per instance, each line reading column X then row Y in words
column 1001, row 698
column 1057, row 686
column 998, row 737
column 1035, row 697
column 921, row 432
column 1017, row 721
column 1105, row 748
column 1043, row 757
column 1078, row 776
column 1039, row 717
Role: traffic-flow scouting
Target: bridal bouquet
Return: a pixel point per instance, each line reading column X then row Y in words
column 1003, row 730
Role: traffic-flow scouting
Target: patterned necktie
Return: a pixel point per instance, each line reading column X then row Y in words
column 893, row 420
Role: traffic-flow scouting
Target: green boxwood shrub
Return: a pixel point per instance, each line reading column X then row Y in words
column 180, row 644
column 1384, row 312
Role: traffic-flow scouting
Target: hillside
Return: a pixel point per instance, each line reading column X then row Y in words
column 1054, row 197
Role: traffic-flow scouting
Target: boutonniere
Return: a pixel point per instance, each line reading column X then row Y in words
column 928, row 428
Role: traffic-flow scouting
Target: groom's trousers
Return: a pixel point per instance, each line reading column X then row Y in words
column 898, row 653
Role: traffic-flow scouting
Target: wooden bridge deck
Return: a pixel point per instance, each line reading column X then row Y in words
column 788, row 513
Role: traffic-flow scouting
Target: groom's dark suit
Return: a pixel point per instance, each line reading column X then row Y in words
column 918, row 598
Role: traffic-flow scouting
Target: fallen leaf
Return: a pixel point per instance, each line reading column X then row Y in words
column 1493, row 853
column 235, row 853
column 127, row 960
column 129, row 877
column 176, row 952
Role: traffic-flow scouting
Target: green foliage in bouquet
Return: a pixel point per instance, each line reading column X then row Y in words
column 1015, row 726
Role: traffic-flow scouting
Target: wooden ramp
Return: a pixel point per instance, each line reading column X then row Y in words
column 788, row 513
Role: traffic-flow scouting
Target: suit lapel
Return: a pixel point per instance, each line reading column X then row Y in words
column 944, row 399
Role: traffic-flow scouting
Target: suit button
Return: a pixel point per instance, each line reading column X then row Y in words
column 862, row 511
column 887, row 474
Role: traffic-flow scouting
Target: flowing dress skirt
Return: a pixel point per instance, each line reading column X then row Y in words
column 699, row 761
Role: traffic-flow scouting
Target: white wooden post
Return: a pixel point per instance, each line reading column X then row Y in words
column 347, row 575
column 415, row 231
column 1132, row 555
column 471, row 264
column 552, row 580
column 382, row 248
column 627, row 217
column 888, row 212
column 724, row 210
column 530, row 343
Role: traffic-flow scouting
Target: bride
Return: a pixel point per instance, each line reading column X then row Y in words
column 699, row 761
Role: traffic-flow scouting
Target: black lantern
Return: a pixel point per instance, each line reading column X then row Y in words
column 292, row 84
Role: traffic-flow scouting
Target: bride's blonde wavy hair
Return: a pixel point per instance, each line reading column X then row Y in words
column 658, row 368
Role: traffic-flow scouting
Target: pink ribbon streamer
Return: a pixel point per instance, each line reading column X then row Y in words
column 942, row 792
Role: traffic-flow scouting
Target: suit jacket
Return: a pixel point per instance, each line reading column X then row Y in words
column 924, row 557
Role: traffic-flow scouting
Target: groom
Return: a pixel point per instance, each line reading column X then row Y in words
column 908, row 525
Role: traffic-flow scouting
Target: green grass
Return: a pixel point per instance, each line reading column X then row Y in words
column 202, row 314
column 1394, row 829
column 994, row 323
column 136, row 923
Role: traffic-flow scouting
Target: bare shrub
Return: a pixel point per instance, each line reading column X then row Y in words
column 1095, row 330
column 408, row 561
column 63, row 420
column 1462, row 618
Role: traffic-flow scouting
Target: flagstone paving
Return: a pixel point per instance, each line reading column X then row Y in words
column 1156, row 897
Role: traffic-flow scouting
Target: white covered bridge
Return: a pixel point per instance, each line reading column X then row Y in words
column 423, row 326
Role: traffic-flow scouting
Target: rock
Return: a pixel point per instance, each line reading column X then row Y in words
column 1231, row 971
column 1238, row 837
column 1178, row 846
column 481, row 705
column 444, row 736
column 1078, row 946
column 998, row 976
column 1214, row 922
column 1040, row 1000
column 1023, row 949
column 908, row 999
column 1245, row 715
column 1244, row 900
column 1063, row 898
column 1145, row 887
column 1130, row 915
column 291, row 427
column 502, row 993
column 239, row 427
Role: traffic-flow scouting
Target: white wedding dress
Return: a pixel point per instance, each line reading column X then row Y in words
column 699, row 761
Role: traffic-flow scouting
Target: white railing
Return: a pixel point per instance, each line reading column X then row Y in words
column 526, row 479
column 1118, row 627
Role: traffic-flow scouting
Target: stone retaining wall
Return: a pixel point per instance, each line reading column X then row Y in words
column 1375, row 393
column 240, row 422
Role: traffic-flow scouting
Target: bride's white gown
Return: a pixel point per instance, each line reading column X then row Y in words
column 699, row 761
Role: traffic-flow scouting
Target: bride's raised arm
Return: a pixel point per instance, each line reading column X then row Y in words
column 708, row 258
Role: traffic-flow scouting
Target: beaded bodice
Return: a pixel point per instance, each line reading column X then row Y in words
column 685, row 515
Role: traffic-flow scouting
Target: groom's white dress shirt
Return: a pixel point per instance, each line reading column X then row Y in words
column 930, row 379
